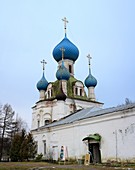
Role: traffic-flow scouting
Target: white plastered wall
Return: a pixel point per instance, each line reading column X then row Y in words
column 112, row 147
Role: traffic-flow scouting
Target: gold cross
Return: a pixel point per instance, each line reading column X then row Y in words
column 65, row 22
column 43, row 62
column 62, row 49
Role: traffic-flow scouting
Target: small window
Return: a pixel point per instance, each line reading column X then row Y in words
column 38, row 123
column 36, row 146
column 48, row 94
column 51, row 92
column 44, row 143
column 70, row 69
column 80, row 92
column 76, row 91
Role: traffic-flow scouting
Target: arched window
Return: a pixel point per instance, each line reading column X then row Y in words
column 76, row 91
column 47, row 118
column 38, row 123
column 79, row 89
column 51, row 92
column 70, row 69
column 47, row 122
column 44, row 143
column 80, row 92
column 48, row 94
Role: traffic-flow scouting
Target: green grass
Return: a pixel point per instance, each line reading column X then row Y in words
column 34, row 165
column 20, row 165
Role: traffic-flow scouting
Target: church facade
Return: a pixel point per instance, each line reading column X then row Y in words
column 68, row 123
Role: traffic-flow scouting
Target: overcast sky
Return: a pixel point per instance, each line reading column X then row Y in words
column 30, row 29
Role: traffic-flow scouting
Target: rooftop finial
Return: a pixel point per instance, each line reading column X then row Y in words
column 62, row 50
column 43, row 62
column 65, row 22
column 89, row 58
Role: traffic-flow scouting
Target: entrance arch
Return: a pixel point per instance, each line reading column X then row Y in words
column 94, row 147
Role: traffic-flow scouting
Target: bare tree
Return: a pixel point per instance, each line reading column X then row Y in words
column 128, row 101
column 0, row 120
column 20, row 124
column 6, row 125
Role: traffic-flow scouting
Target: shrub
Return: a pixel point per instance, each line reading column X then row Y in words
column 39, row 157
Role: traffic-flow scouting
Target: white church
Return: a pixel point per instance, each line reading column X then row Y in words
column 68, row 122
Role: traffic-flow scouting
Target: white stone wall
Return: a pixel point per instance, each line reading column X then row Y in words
column 57, row 110
column 116, row 129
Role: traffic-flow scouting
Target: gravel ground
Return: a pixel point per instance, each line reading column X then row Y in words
column 80, row 167
column 69, row 167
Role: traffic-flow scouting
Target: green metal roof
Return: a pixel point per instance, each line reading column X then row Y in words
column 70, row 93
column 95, row 137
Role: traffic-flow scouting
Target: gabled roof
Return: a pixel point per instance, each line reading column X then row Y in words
column 88, row 113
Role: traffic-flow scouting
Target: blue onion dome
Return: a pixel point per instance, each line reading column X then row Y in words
column 71, row 51
column 42, row 84
column 90, row 81
column 62, row 73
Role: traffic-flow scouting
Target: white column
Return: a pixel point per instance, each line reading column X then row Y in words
column 64, row 86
